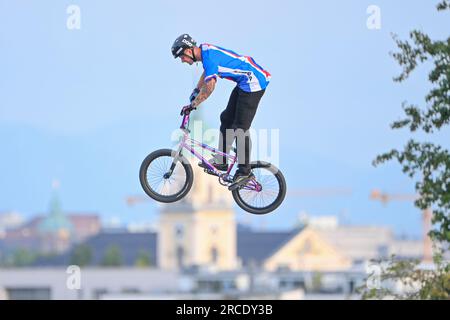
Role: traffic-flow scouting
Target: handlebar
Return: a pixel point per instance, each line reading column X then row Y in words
column 185, row 121
column 185, row 112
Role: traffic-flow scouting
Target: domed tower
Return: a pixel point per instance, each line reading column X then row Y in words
column 55, row 230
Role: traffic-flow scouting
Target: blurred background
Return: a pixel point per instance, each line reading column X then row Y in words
column 89, row 88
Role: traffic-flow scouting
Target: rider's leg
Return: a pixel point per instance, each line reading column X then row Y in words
column 247, row 105
column 226, row 133
column 243, row 146
column 226, row 124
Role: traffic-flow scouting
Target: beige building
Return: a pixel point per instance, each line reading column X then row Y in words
column 306, row 251
column 200, row 230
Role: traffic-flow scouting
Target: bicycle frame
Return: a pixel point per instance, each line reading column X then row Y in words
column 187, row 141
column 255, row 188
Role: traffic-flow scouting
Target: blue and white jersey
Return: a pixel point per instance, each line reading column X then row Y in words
column 223, row 63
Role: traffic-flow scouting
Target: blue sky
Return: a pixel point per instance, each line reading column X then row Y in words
column 86, row 106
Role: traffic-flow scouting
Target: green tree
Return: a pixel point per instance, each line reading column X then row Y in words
column 316, row 282
column 81, row 255
column 416, row 282
column 426, row 162
column 143, row 259
column 112, row 257
column 23, row 257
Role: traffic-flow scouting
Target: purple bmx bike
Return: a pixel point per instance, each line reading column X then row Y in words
column 166, row 176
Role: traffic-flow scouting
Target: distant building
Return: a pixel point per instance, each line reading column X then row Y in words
column 95, row 283
column 55, row 232
column 200, row 231
column 29, row 236
column 130, row 247
column 198, row 251
column 10, row 220
column 137, row 284
column 359, row 243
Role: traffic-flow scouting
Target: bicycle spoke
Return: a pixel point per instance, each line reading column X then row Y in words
column 165, row 186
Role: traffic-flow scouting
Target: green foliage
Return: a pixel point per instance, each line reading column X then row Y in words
column 20, row 257
column 415, row 281
column 432, row 163
column 81, row 255
column 445, row 4
column 23, row 257
column 143, row 259
column 427, row 162
column 316, row 282
column 112, row 257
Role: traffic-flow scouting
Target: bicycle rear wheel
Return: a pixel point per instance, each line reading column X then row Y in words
column 166, row 176
column 263, row 194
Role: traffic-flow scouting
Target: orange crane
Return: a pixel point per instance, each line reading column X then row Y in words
column 312, row 193
column 426, row 217
column 319, row 192
column 134, row 199
column 294, row 193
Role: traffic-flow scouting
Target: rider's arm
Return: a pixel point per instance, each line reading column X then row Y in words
column 205, row 91
column 200, row 82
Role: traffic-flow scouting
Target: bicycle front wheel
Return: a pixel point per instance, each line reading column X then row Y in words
column 166, row 176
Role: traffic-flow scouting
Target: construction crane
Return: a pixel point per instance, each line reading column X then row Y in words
column 319, row 192
column 311, row 193
column 385, row 198
column 132, row 200
column 135, row 199
column 292, row 193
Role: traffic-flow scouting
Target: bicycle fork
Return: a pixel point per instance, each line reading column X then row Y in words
column 176, row 158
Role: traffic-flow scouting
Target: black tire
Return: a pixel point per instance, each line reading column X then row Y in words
column 161, row 160
column 240, row 195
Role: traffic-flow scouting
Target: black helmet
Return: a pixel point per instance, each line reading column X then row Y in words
column 182, row 43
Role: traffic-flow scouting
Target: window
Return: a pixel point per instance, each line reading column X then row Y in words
column 214, row 228
column 179, row 231
column 28, row 293
column 306, row 249
column 180, row 257
column 214, row 255
column 131, row 290
column 98, row 293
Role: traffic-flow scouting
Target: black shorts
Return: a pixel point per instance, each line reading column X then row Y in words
column 241, row 109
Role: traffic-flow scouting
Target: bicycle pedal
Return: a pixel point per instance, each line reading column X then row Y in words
column 241, row 184
column 235, row 186
column 211, row 172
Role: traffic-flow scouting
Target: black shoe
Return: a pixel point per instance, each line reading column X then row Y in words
column 240, row 179
column 215, row 163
